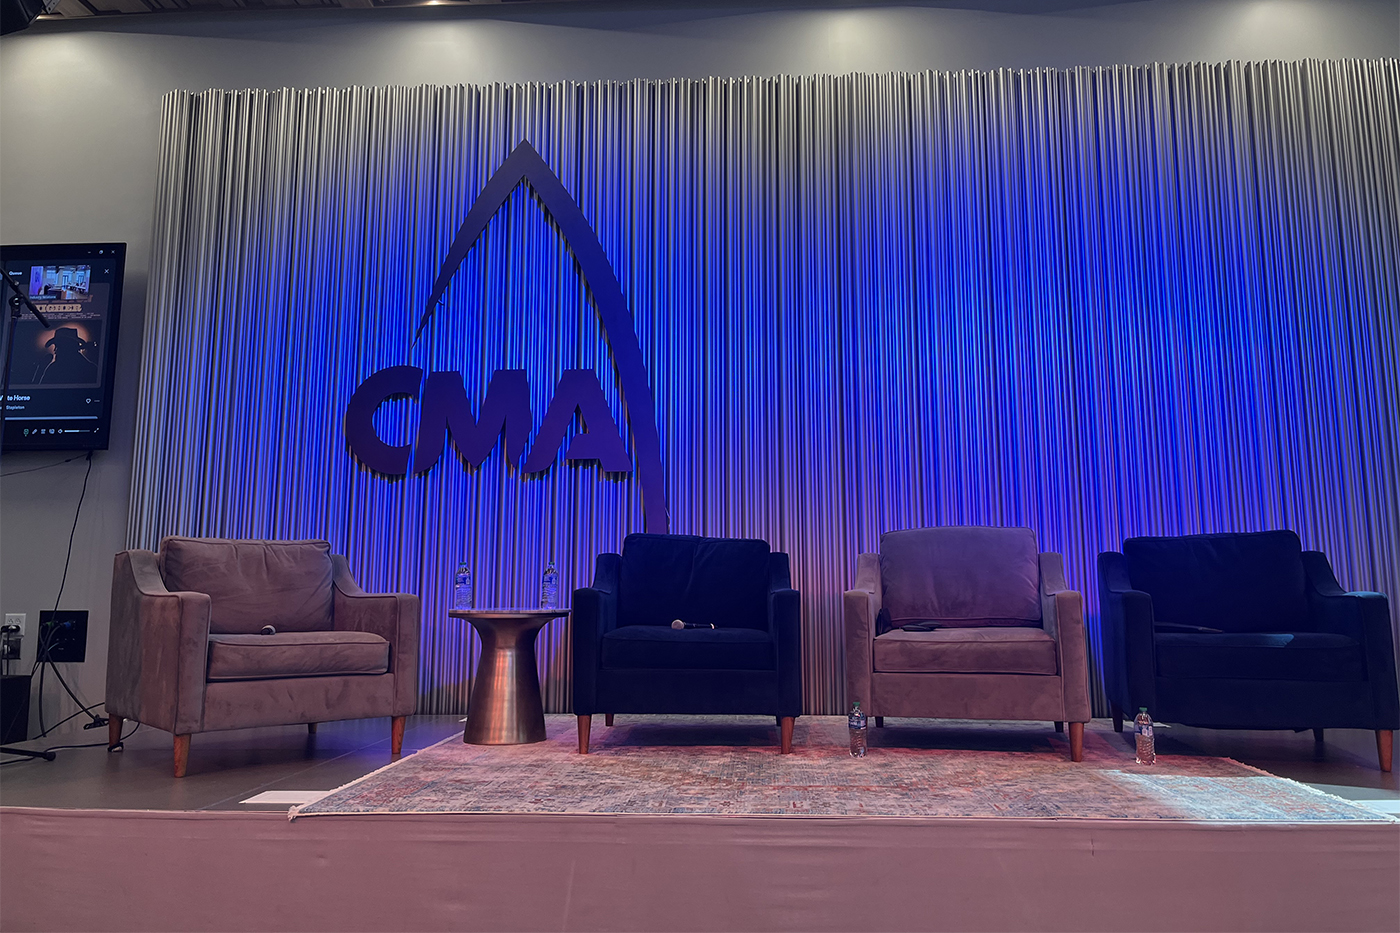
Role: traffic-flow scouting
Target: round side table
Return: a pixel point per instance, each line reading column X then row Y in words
column 505, row 706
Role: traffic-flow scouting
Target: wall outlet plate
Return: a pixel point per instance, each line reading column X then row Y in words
column 15, row 618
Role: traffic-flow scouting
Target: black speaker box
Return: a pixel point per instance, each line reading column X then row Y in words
column 14, row 708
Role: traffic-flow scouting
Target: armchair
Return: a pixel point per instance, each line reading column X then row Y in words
column 995, row 631
column 186, row 653
column 1245, row 631
column 628, row 659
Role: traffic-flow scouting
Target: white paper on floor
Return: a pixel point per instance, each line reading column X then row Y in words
column 287, row 796
column 1388, row 805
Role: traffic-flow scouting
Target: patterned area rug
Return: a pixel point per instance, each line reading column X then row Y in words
column 730, row 766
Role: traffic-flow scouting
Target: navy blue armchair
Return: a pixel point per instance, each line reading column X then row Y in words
column 629, row 659
column 1244, row 631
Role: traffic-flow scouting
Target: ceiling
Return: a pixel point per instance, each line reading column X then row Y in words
column 77, row 9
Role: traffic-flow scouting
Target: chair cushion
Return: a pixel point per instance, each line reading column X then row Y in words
column 1235, row 582
column 296, row 654
column 1303, row 656
column 720, row 581
column 961, row 576
column 1000, row 650
column 654, row 646
column 286, row 584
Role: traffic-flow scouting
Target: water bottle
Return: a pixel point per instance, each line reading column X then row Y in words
column 1146, row 744
column 858, row 731
column 549, row 588
column 462, row 587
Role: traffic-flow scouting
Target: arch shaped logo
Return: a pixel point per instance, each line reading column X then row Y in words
column 444, row 411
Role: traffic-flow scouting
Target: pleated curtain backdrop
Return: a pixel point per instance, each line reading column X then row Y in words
column 1099, row 302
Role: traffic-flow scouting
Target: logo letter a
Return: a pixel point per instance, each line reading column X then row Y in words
column 579, row 391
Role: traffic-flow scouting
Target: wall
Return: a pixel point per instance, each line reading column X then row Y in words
column 102, row 83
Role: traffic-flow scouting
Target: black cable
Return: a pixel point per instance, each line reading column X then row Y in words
column 41, row 655
column 47, row 466
column 76, row 512
column 54, row 748
column 63, row 720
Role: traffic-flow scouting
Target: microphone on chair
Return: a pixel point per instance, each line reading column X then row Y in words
column 678, row 625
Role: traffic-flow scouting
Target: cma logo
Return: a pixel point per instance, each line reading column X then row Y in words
column 445, row 411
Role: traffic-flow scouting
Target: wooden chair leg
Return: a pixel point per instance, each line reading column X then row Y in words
column 879, row 722
column 114, row 733
column 1117, row 717
column 1317, row 735
column 1059, row 726
column 607, row 719
column 396, row 739
column 786, row 727
column 584, row 724
column 310, row 728
column 1076, row 741
column 182, row 754
column 1385, row 743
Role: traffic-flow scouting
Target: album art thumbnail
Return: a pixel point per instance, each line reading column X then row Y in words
column 65, row 354
column 61, row 283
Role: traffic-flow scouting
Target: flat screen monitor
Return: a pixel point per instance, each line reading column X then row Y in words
column 60, row 392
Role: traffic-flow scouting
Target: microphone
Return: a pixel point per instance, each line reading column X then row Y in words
column 678, row 625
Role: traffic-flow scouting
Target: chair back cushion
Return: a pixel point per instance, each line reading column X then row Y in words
column 286, row 584
column 720, row 581
column 1250, row 582
column 961, row 576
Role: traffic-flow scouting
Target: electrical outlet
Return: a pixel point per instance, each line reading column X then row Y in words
column 16, row 619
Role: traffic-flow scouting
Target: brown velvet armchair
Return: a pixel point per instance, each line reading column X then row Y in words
column 1002, row 635
column 187, row 654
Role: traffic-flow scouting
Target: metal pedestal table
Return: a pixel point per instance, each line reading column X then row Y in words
column 505, row 706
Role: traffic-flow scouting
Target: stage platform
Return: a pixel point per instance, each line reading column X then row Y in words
column 742, row 843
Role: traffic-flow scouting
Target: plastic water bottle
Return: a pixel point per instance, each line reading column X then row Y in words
column 462, row 587
column 1146, row 744
column 549, row 588
column 858, row 731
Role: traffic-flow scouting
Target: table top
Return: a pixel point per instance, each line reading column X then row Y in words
column 508, row 613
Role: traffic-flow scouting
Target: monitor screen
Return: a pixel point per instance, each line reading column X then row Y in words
column 60, row 391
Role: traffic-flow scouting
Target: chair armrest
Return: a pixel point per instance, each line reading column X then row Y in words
column 594, row 613
column 785, row 625
column 394, row 617
column 861, row 605
column 1129, row 648
column 1364, row 616
column 1062, row 614
column 158, row 647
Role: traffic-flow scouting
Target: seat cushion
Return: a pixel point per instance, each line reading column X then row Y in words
column 1302, row 656
column 296, row 654
column 658, row 647
column 961, row 576
column 717, row 581
column 1235, row 582
column 286, row 584
column 992, row 650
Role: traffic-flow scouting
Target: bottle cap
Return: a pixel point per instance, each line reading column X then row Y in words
column 1142, row 709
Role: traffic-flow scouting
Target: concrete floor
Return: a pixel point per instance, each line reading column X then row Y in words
column 227, row 768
